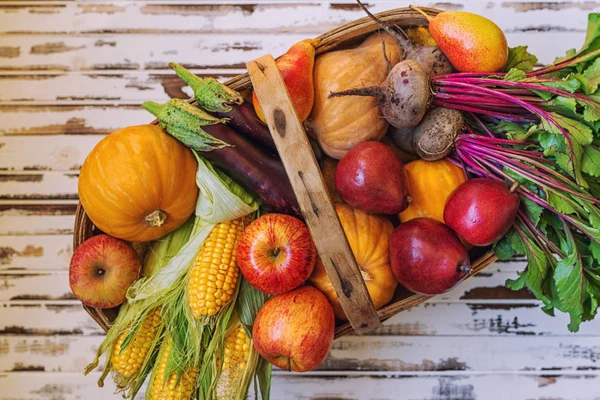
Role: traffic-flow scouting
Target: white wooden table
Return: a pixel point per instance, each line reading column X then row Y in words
column 70, row 72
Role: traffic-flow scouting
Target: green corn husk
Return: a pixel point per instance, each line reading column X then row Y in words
column 131, row 316
column 249, row 301
column 184, row 122
column 209, row 93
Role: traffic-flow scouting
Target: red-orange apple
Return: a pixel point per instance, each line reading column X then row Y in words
column 276, row 253
column 102, row 269
column 294, row 330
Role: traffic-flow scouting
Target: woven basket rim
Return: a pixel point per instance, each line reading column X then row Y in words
column 84, row 229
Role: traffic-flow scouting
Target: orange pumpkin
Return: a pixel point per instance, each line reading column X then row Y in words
column 429, row 183
column 368, row 236
column 138, row 183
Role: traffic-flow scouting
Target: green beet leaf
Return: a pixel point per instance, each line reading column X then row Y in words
column 590, row 161
column 519, row 58
column 570, row 284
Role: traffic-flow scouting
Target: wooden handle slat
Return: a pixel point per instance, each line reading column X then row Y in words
column 312, row 195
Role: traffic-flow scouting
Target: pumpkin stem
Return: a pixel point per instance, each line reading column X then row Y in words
column 156, row 218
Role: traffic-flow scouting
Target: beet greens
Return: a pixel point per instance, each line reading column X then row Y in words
column 540, row 130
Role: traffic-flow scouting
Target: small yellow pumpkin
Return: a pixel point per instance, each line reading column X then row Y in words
column 368, row 236
column 138, row 183
column 429, row 184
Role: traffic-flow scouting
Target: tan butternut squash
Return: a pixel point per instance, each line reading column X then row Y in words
column 342, row 122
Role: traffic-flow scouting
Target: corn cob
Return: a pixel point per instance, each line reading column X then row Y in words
column 163, row 388
column 128, row 361
column 214, row 276
column 235, row 358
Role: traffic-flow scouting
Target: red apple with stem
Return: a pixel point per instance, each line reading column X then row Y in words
column 276, row 253
column 102, row 269
column 294, row 330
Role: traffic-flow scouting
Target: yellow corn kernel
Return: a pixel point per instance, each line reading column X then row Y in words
column 214, row 276
column 235, row 358
column 169, row 389
column 128, row 362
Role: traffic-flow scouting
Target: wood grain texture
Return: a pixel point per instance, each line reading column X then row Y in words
column 35, row 252
column 364, row 386
column 252, row 16
column 227, row 50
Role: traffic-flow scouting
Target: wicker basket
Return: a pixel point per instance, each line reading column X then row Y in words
column 341, row 37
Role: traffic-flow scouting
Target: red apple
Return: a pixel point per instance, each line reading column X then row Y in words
column 294, row 331
column 276, row 253
column 371, row 178
column 427, row 257
column 102, row 269
column 481, row 210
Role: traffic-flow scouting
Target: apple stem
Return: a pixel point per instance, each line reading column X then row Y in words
column 156, row 218
column 514, row 186
column 417, row 9
column 464, row 268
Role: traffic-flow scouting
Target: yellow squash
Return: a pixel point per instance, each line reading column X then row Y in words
column 343, row 122
column 368, row 236
column 138, row 183
column 429, row 184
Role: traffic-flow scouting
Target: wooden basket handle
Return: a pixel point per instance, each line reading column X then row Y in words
column 312, row 195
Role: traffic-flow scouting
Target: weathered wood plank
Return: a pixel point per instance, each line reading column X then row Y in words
column 36, row 252
column 363, row 353
column 54, row 285
column 155, row 51
column 132, row 87
column 36, row 220
column 35, row 286
column 75, row 119
column 39, row 153
column 292, row 16
column 38, row 185
column 46, row 320
column 513, row 387
column 294, row 386
column 140, row 51
column 431, row 319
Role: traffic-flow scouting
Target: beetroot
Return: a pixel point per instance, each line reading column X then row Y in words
column 403, row 97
